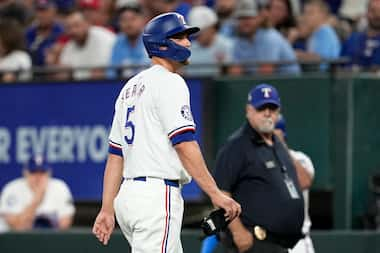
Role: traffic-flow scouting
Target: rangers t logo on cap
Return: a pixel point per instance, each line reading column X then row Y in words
column 264, row 94
column 181, row 18
column 266, row 91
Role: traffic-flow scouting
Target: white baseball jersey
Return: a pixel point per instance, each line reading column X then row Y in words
column 153, row 109
column 152, row 113
column 17, row 195
column 305, row 245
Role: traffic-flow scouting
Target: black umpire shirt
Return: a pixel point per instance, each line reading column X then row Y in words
column 255, row 174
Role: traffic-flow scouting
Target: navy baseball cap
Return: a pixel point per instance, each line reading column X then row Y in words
column 264, row 94
column 36, row 164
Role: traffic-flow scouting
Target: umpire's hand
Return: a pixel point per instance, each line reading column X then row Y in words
column 103, row 226
column 232, row 208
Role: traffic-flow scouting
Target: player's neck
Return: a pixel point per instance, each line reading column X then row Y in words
column 169, row 65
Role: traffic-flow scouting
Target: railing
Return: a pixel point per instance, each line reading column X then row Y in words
column 125, row 71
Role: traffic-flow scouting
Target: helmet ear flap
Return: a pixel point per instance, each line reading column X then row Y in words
column 154, row 46
column 167, row 49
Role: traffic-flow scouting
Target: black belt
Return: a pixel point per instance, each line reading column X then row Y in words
column 170, row 182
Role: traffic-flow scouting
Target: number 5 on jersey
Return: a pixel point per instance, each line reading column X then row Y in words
column 129, row 125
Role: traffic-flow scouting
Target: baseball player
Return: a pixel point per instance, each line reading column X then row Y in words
column 152, row 146
column 36, row 200
column 305, row 173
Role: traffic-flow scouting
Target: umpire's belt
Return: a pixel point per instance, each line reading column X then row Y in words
column 170, row 182
column 286, row 241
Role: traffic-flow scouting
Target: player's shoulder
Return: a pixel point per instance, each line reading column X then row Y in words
column 164, row 80
column 132, row 81
column 304, row 159
column 14, row 185
column 158, row 72
column 58, row 183
column 299, row 154
column 58, row 187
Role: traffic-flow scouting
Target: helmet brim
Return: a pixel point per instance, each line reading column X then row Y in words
column 192, row 29
column 188, row 31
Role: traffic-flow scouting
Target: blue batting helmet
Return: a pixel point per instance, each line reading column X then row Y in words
column 157, row 33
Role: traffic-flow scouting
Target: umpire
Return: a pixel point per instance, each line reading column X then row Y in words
column 256, row 169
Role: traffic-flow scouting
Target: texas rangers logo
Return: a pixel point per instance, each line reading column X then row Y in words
column 186, row 113
column 267, row 91
column 181, row 18
column 39, row 160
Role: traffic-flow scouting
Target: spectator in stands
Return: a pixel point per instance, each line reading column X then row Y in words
column 44, row 32
column 36, row 200
column 129, row 48
column 64, row 7
column 225, row 10
column 94, row 12
column 322, row 41
column 352, row 15
column 209, row 47
column 119, row 4
column 15, row 62
column 353, row 9
column 281, row 16
column 296, row 7
column 333, row 5
column 298, row 35
column 363, row 48
column 259, row 44
column 17, row 10
column 156, row 7
column 89, row 47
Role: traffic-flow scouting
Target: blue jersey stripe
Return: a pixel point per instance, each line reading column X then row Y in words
column 114, row 150
column 182, row 137
column 114, row 143
column 180, row 128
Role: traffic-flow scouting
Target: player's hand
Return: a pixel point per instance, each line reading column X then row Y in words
column 232, row 208
column 39, row 189
column 103, row 226
column 243, row 239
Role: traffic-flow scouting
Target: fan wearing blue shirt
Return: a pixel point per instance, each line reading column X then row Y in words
column 129, row 48
column 225, row 12
column 210, row 49
column 363, row 48
column 322, row 41
column 256, row 43
column 43, row 33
